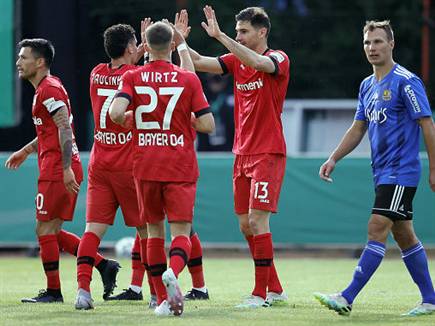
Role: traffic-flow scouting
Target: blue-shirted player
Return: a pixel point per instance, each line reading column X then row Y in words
column 394, row 108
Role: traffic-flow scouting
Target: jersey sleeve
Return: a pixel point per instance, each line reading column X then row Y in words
column 227, row 63
column 281, row 62
column 415, row 98
column 199, row 101
column 360, row 110
column 53, row 98
column 125, row 88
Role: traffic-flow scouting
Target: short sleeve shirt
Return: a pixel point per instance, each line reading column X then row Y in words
column 258, row 104
column 112, row 150
column 163, row 97
column 391, row 108
column 50, row 95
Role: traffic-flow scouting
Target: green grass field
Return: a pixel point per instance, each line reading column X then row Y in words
column 390, row 293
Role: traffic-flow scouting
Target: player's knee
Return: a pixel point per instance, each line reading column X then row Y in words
column 44, row 229
column 405, row 238
column 377, row 233
column 378, row 228
column 245, row 229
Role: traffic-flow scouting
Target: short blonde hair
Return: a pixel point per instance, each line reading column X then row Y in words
column 371, row 25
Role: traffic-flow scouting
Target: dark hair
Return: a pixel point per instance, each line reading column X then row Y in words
column 257, row 16
column 117, row 38
column 371, row 25
column 159, row 36
column 41, row 48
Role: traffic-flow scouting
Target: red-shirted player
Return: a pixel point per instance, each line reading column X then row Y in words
column 261, row 77
column 163, row 97
column 110, row 179
column 59, row 166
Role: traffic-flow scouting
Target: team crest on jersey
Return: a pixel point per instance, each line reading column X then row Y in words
column 386, row 95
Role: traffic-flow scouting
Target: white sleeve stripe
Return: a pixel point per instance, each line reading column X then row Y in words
column 51, row 104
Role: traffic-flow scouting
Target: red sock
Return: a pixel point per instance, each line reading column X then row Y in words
column 69, row 242
column 86, row 259
column 195, row 262
column 144, row 260
column 250, row 240
column 49, row 251
column 263, row 258
column 179, row 253
column 137, row 268
column 274, row 284
column 157, row 263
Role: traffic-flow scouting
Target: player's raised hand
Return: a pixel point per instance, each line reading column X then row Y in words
column 144, row 24
column 326, row 170
column 16, row 159
column 69, row 181
column 212, row 26
column 181, row 23
column 178, row 36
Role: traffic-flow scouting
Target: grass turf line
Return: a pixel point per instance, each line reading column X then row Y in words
column 389, row 293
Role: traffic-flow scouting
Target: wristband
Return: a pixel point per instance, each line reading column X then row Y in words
column 181, row 47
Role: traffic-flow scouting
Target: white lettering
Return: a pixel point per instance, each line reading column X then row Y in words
column 160, row 139
column 157, row 77
column 37, row 121
column 376, row 116
column 106, row 80
column 412, row 98
column 250, row 86
column 112, row 138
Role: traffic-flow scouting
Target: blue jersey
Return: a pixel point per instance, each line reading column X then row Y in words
column 391, row 108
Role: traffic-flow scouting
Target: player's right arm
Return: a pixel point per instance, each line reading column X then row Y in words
column 200, row 62
column 17, row 158
column 205, row 64
column 348, row 143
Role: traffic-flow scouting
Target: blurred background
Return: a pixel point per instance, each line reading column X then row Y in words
column 323, row 39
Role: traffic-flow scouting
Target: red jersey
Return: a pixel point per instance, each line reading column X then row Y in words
column 111, row 149
column 50, row 95
column 258, row 103
column 163, row 96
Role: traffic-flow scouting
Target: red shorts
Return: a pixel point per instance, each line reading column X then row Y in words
column 173, row 199
column 54, row 201
column 107, row 191
column 257, row 181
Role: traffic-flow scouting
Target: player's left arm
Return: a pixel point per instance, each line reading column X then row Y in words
column 247, row 56
column 428, row 128
column 417, row 104
column 61, row 119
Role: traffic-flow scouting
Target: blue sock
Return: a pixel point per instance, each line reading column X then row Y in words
column 369, row 261
column 416, row 261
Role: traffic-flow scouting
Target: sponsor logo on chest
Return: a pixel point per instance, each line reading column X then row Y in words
column 250, row 86
column 376, row 116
